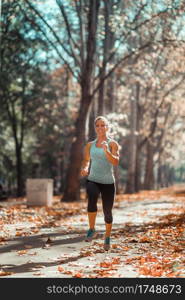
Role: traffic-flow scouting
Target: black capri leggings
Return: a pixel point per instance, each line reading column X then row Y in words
column 107, row 192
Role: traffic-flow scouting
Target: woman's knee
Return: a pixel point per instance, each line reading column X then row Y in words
column 108, row 218
column 92, row 207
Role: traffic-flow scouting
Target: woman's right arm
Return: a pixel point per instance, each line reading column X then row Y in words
column 86, row 160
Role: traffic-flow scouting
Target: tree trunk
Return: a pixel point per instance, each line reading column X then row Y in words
column 116, row 172
column 72, row 188
column 138, row 153
column 171, row 176
column 159, row 175
column 138, row 171
column 110, row 103
column 165, row 176
column 149, row 170
column 91, row 129
column 101, row 100
column 62, row 179
column 19, row 171
column 108, row 45
column 131, row 177
column 110, row 84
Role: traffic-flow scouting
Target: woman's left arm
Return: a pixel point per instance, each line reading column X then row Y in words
column 112, row 155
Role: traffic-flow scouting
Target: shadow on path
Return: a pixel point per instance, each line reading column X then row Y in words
column 37, row 266
column 38, row 241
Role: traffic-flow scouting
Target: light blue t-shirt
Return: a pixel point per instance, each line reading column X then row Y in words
column 101, row 170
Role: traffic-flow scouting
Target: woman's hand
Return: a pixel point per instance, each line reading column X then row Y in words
column 86, row 161
column 104, row 145
column 84, row 171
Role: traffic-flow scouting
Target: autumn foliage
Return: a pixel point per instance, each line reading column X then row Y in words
column 149, row 241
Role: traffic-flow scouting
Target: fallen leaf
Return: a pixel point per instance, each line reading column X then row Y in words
column 22, row 252
column 37, row 274
column 145, row 239
column 61, row 269
column 2, row 239
column 3, row 273
column 68, row 272
column 18, row 233
column 105, row 264
column 78, row 275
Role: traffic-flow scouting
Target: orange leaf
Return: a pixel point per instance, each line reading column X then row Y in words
column 116, row 260
column 144, row 270
column 78, row 275
column 144, row 239
column 61, row 269
column 156, row 273
column 3, row 273
column 22, row 252
column 125, row 248
column 105, row 264
column 18, row 233
column 142, row 260
column 2, row 239
column 68, row 272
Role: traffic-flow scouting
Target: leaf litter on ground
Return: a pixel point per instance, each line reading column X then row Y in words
column 160, row 243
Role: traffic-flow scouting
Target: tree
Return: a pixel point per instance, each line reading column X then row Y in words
column 18, row 51
column 158, row 86
column 79, row 47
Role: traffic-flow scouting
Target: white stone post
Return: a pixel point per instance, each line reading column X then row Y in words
column 39, row 191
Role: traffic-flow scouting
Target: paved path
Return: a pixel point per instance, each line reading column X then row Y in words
column 68, row 255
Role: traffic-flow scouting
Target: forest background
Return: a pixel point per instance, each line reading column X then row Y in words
column 63, row 62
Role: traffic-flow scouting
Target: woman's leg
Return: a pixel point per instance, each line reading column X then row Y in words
column 108, row 229
column 93, row 194
column 108, row 194
column 92, row 219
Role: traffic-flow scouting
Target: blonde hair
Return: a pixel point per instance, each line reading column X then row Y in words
column 103, row 119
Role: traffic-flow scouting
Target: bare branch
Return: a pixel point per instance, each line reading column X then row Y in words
column 50, row 42
column 81, row 25
column 154, row 123
column 70, row 38
column 124, row 37
column 54, row 34
column 117, row 64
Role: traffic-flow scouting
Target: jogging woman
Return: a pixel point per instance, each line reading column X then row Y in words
column 100, row 156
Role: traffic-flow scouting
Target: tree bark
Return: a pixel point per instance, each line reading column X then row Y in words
column 116, row 172
column 138, row 171
column 159, row 173
column 149, row 170
column 138, row 153
column 19, row 170
column 101, row 94
column 72, row 188
column 131, row 176
column 110, row 103
column 91, row 129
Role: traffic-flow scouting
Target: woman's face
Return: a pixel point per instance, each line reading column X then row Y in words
column 101, row 127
